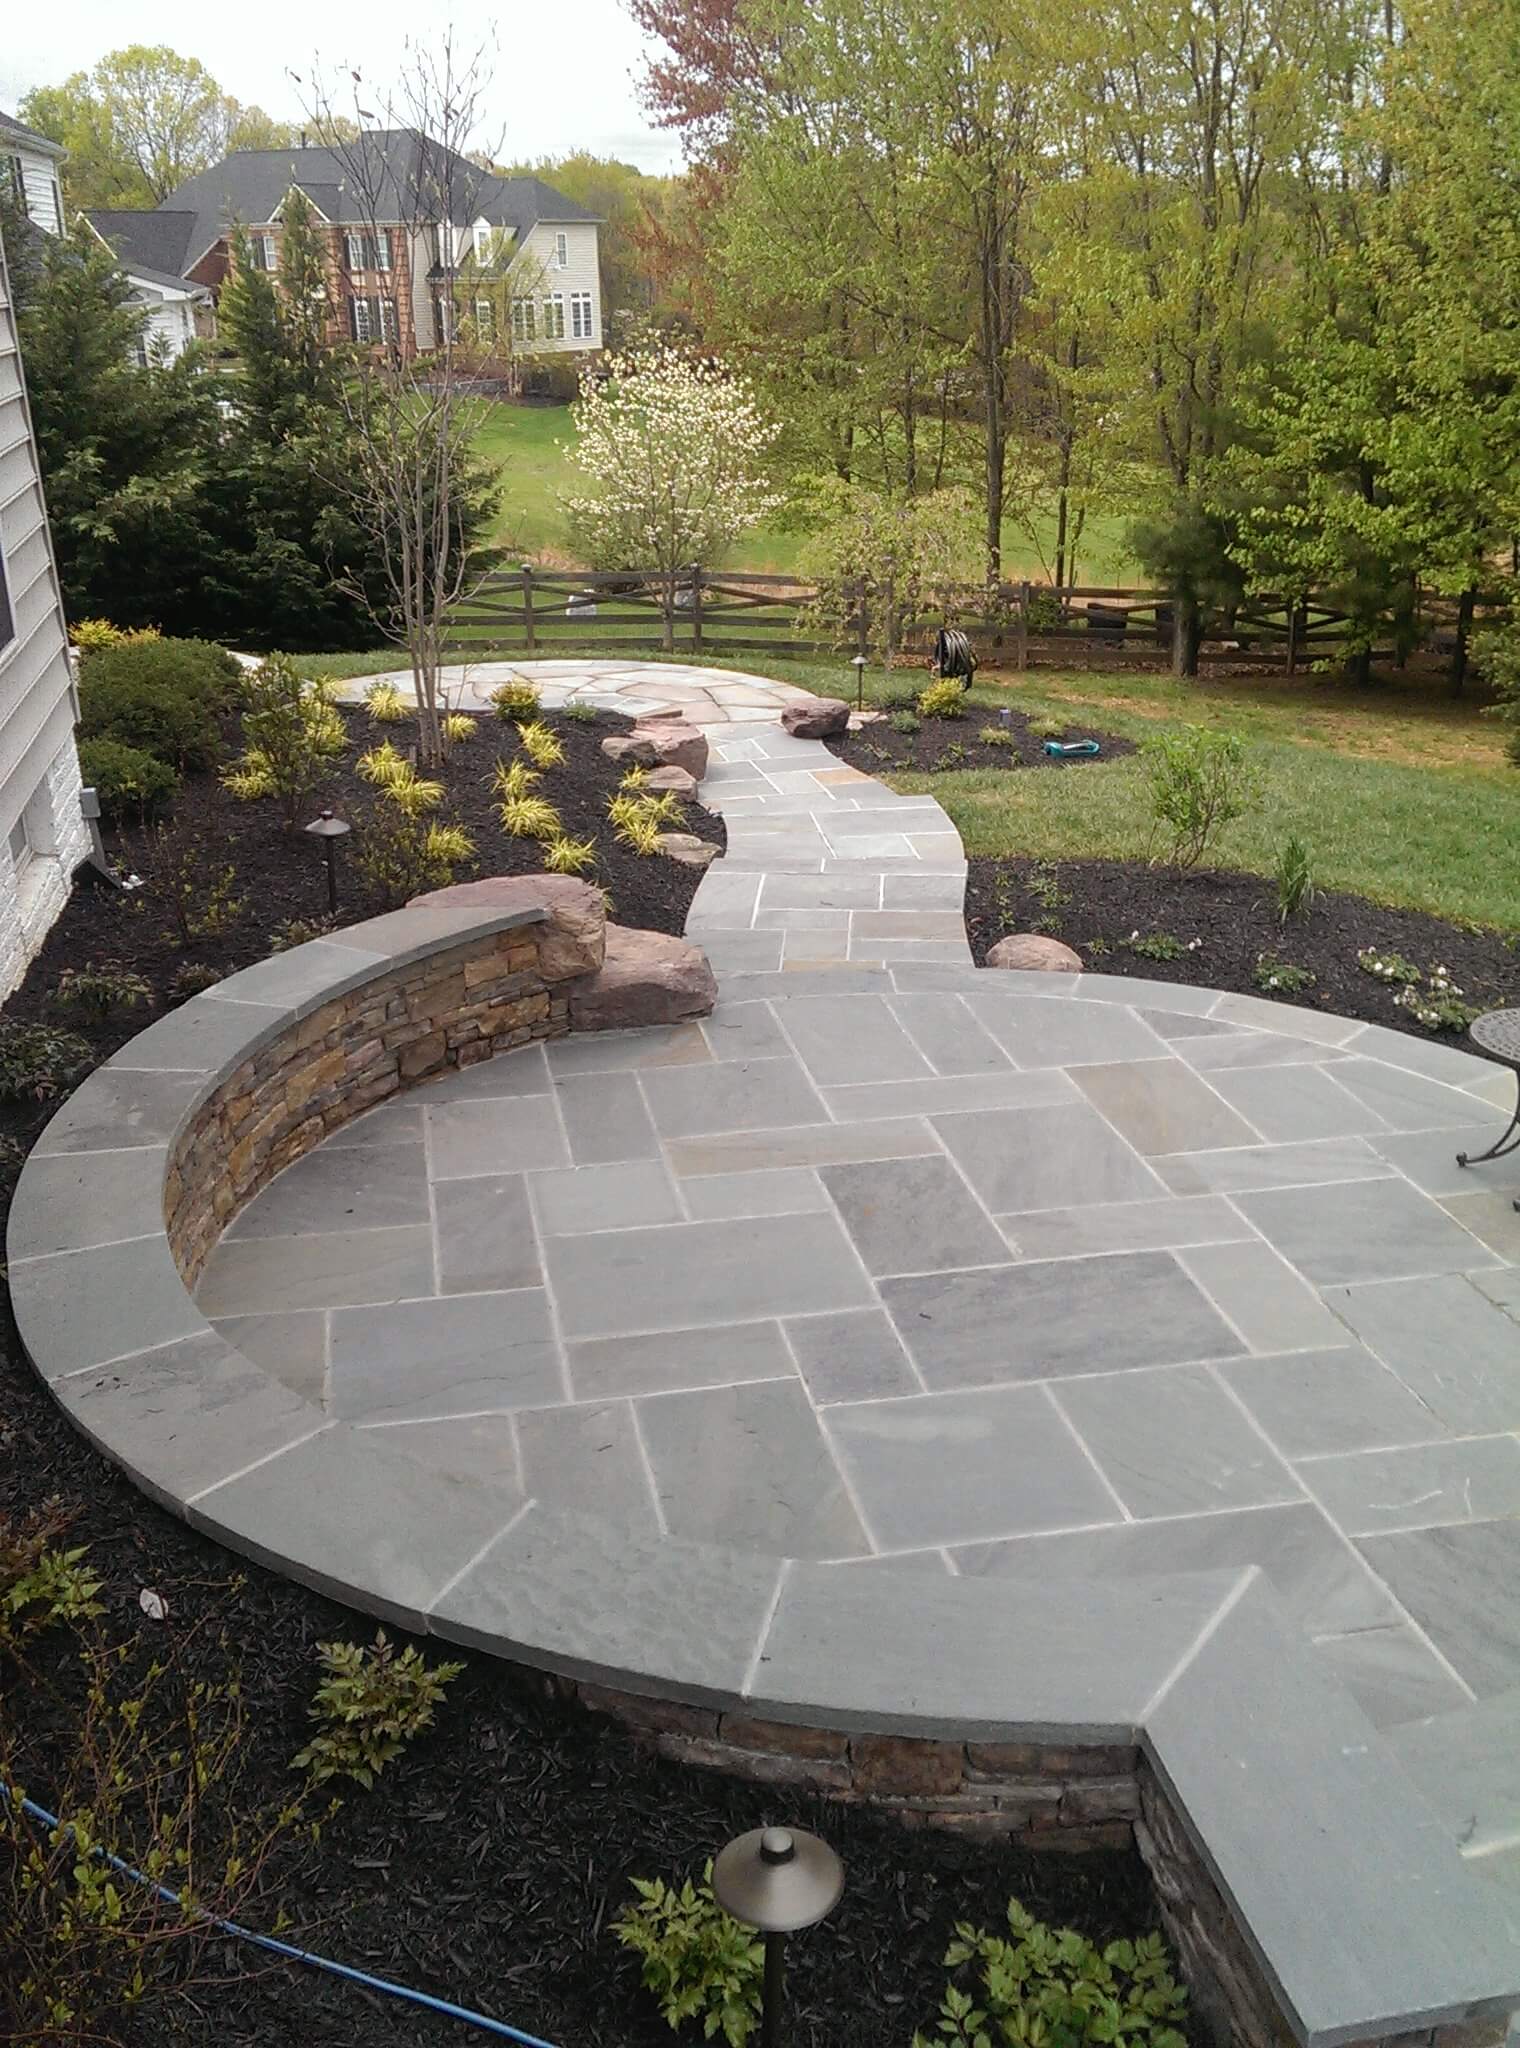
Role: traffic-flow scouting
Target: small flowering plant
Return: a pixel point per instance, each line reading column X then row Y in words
column 1438, row 1005
column 1280, row 977
column 1391, row 967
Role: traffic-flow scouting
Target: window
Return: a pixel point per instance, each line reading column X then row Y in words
column 363, row 320
column 561, row 252
column 523, row 324
column 362, row 251
column 485, row 319
column 22, row 849
column 261, row 252
column 32, row 836
column 482, row 242
column 445, row 322
column 140, row 350
column 373, row 319
column 580, row 316
column 554, row 317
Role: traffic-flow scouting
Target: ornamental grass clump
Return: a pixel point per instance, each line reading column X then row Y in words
column 540, row 744
column 385, row 704
column 564, row 856
column 529, row 817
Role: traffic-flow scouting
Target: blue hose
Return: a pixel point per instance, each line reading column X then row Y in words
column 284, row 1948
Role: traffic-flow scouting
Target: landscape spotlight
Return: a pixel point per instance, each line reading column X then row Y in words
column 777, row 1880
column 858, row 663
column 330, row 830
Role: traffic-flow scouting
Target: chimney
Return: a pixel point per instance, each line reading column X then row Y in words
column 303, row 138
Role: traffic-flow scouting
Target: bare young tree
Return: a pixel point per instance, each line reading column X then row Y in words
column 411, row 187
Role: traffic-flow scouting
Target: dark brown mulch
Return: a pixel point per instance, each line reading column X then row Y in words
column 1103, row 902
column 952, row 743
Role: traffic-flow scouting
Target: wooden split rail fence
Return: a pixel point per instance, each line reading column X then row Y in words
column 547, row 611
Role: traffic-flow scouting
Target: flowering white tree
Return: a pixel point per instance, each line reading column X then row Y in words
column 674, row 452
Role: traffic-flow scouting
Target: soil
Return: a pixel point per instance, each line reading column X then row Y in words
column 1098, row 906
column 490, row 1860
column 952, row 743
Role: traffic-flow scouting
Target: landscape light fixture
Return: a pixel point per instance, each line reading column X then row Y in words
column 330, row 830
column 858, row 663
column 778, row 1881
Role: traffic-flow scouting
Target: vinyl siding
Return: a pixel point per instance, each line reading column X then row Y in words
column 39, row 769
column 581, row 274
column 39, row 180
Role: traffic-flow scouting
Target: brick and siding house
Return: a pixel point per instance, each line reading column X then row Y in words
column 417, row 239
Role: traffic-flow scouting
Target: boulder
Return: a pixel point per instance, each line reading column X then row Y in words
column 816, row 718
column 676, row 780
column 669, row 743
column 1034, row 953
column 572, row 941
column 688, row 849
column 645, row 978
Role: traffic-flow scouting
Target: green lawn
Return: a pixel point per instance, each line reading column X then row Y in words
column 533, row 444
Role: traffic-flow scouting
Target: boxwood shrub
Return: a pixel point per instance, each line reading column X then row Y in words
column 130, row 782
column 166, row 697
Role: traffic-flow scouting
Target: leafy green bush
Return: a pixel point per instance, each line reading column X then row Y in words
column 37, row 1061
column 130, row 782
column 397, row 855
column 997, row 736
column 292, row 731
column 907, row 722
column 1200, row 782
column 1497, row 657
column 369, row 1706
column 945, row 698
column 1048, row 728
column 164, row 696
column 1294, row 877
column 192, row 978
column 97, row 990
column 582, row 712
column 696, row 1960
column 1051, row 1987
column 515, row 700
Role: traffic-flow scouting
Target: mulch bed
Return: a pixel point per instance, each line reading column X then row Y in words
column 1235, row 917
column 952, row 743
column 488, row 1864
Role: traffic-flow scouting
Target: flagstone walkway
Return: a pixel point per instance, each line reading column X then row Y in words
column 708, row 696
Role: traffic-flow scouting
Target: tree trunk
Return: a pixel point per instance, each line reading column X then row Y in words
column 1465, row 604
column 1187, row 636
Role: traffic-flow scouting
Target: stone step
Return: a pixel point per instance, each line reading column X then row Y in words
column 1466, row 1764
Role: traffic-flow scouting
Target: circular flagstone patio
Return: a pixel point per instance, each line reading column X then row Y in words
column 967, row 1355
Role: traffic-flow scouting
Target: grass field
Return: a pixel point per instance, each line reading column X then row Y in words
column 533, row 447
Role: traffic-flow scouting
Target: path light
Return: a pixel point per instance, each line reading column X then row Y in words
column 777, row 1880
column 330, row 830
column 858, row 663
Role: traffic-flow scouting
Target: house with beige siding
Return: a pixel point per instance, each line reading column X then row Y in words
column 45, row 836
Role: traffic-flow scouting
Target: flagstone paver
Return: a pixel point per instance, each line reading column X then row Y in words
column 1084, row 1293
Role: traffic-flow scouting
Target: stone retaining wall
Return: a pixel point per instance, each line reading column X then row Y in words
column 469, row 1003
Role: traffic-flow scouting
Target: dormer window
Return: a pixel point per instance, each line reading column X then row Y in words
column 562, row 252
column 482, row 242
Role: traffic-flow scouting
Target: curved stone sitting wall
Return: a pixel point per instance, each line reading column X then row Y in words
column 1261, row 1802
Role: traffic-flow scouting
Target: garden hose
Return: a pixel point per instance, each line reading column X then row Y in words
column 284, row 1948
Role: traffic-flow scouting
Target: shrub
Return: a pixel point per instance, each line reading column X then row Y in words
column 529, row 817
column 192, row 978
column 997, row 736
column 1497, row 656
column 292, row 730
column 582, row 712
column 1295, row 879
column 397, row 856
column 300, row 931
column 541, row 746
column 516, row 700
column 91, row 635
column 907, row 722
column 130, row 782
column 165, row 696
column 1200, row 782
column 369, row 1705
column 40, row 1584
column 98, row 990
column 1048, row 728
column 37, row 1061
column 1053, row 1988
column 945, row 698
column 698, row 1962
column 386, row 705
column 203, row 905
column 565, row 856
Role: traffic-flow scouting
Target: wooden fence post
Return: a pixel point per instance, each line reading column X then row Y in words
column 1024, row 625
column 696, row 607
column 527, row 590
column 1293, row 636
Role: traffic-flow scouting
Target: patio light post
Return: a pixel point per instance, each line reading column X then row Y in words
column 330, row 830
column 858, row 663
column 778, row 1881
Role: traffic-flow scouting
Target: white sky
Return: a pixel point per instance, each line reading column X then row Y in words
column 563, row 72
